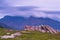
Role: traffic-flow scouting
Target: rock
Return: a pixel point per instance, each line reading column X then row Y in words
column 16, row 34
column 11, row 36
column 7, row 33
column 42, row 28
column 7, row 36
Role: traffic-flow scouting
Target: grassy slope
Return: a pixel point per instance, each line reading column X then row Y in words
column 33, row 35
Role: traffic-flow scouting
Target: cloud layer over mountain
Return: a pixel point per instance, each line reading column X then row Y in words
column 6, row 8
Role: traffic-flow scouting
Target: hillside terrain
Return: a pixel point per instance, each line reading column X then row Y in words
column 30, row 35
column 15, row 25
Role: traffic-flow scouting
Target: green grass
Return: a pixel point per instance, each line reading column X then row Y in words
column 32, row 35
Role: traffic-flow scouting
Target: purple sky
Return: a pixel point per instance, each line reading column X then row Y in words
column 26, row 8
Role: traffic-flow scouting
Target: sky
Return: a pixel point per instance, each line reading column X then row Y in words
column 26, row 8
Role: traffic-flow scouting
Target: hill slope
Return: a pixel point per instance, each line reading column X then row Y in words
column 31, row 35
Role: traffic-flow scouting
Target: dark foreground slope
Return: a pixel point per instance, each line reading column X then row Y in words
column 18, row 22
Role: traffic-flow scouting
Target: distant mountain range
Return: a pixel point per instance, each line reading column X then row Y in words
column 18, row 22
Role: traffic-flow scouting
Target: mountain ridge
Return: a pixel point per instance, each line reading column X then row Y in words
column 18, row 22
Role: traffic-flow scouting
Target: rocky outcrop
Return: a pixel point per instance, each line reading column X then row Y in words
column 42, row 28
column 10, row 36
column 49, row 29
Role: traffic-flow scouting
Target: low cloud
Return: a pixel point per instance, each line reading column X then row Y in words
column 26, row 11
column 31, row 11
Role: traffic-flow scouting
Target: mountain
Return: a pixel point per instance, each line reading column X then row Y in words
column 18, row 22
column 2, row 25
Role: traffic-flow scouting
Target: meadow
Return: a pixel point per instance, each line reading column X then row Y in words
column 30, row 35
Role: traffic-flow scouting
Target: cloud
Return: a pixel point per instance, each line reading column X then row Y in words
column 26, row 11
column 26, row 8
column 46, row 5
